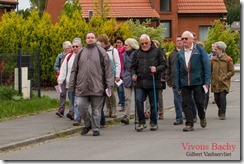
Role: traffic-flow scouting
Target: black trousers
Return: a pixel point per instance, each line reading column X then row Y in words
column 199, row 96
column 220, row 99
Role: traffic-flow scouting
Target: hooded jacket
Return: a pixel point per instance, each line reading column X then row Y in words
column 88, row 78
column 222, row 71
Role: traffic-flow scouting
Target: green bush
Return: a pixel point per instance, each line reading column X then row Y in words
column 7, row 93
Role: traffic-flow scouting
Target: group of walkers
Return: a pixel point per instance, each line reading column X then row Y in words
column 90, row 74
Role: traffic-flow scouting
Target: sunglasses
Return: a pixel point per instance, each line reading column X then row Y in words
column 75, row 46
column 184, row 38
column 146, row 43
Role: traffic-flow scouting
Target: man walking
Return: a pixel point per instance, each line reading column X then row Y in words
column 90, row 76
column 170, row 80
column 192, row 74
column 146, row 63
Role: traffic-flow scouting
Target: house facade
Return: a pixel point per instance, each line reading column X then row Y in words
column 176, row 15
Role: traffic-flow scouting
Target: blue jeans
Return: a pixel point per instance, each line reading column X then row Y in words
column 121, row 95
column 103, row 120
column 71, row 96
column 76, row 111
column 141, row 95
column 178, row 105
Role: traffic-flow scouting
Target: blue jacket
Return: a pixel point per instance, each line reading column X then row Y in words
column 198, row 70
column 127, row 60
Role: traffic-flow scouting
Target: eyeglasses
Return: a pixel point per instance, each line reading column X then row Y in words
column 146, row 43
column 118, row 42
column 75, row 46
column 184, row 38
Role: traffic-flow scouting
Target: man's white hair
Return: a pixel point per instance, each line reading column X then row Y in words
column 145, row 36
column 188, row 33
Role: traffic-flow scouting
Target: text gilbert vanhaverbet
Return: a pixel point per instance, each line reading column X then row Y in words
column 208, row 150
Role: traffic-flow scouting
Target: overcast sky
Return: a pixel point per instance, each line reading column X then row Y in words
column 24, row 4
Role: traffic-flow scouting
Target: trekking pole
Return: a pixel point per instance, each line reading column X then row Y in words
column 135, row 105
column 155, row 99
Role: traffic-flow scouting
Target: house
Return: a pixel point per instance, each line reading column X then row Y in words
column 7, row 5
column 175, row 15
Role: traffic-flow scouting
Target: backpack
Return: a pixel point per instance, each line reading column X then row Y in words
column 112, row 62
column 228, row 63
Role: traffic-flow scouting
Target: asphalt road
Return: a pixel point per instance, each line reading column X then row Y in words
column 220, row 140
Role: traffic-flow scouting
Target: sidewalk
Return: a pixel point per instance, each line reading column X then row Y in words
column 45, row 126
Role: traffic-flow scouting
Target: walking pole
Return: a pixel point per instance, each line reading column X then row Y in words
column 135, row 105
column 155, row 99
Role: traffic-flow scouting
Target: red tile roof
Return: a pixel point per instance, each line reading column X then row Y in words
column 9, row 1
column 201, row 6
column 124, row 9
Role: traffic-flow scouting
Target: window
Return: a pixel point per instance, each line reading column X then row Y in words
column 165, row 5
column 167, row 28
column 203, row 32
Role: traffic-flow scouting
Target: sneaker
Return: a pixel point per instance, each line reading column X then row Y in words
column 178, row 122
column 125, row 120
column 77, row 123
column 188, row 128
column 85, row 130
column 222, row 116
column 161, row 116
column 203, row 122
column 140, row 127
column 70, row 116
column 147, row 115
column 153, row 127
column 96, row 133
column 122, row 109
column 60, row 113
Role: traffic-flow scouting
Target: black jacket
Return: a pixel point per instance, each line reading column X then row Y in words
column 141, row 63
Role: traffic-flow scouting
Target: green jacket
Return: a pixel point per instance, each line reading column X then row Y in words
column 221, row 72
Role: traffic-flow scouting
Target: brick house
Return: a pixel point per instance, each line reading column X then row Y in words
column 175, row 15
column 7, row 5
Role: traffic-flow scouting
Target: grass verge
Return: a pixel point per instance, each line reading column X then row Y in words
column 11, row 109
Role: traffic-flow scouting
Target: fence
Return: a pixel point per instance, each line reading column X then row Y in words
column 29, row 59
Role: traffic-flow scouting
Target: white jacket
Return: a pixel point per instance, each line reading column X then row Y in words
column 65, row 70
column 114, row 56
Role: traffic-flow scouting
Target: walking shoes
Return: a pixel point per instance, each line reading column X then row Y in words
column 125, row 120
column 178, row 122
column 188, row 128
column 60, row 113
column 140, row 127
column 85, row 130
column 203, row 122
column 153, row 127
